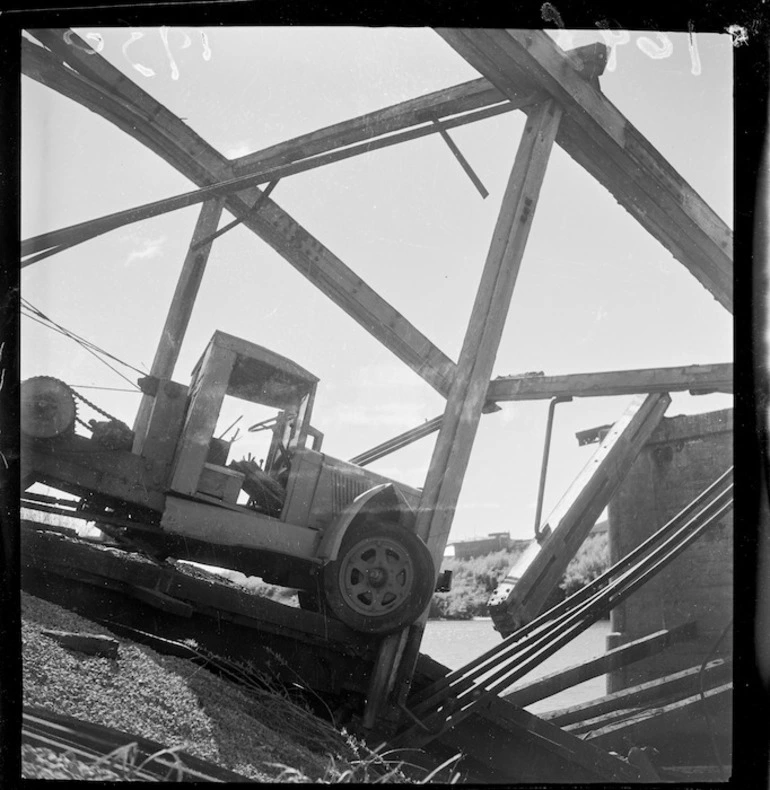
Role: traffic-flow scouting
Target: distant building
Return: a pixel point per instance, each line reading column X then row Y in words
column 479, row 547
column 600, row 528
column 499, row 541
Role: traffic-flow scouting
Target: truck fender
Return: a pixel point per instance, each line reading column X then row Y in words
column 383, row 500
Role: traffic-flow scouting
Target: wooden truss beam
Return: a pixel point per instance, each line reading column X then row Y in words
column 601, row 139
column 697, row 379
column 101, row 87
column 468, row 394
column 453, row 106
column 55, row 241
column 464, row 98
column 456, row 106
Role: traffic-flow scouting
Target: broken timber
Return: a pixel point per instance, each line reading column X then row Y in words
column 548, row 685
column 685, row 683
column 648, row 726
column 103, row 89
column 135, row 592
column 601, row 139
column 525, row 591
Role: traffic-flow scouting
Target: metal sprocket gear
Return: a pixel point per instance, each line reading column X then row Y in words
column 48, row 408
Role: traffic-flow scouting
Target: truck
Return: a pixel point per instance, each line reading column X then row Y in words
column 342, row 536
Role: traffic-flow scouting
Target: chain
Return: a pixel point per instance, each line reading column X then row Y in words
column 93, row 405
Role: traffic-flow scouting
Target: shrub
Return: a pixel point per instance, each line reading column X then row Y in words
column 591, row 561
column 475, row 579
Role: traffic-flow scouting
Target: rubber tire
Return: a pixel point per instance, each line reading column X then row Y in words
column 421, row 583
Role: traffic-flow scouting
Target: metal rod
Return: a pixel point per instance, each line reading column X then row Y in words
column 544, row 466
column 397, row 442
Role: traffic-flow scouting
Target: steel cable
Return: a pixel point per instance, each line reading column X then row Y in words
column 556, row 616
column 561, row 624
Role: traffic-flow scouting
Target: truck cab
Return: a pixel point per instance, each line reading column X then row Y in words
column 341, row 535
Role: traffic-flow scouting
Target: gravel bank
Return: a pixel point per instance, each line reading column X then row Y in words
column 259, row 735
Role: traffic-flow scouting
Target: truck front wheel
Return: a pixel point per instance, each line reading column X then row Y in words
column 382, row 579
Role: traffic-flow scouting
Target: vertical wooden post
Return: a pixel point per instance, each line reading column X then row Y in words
column 469, row 387
column 181, row 308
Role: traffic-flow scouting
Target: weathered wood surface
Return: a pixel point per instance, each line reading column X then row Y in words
column 452, row 106
column 154, row 584
column 682, row 683
column 90, row 644
column 473, row 95
column 80, row 466
column 518, row 746
column 647, row 725
column 179, row 311
column 693, row 378
column 521, row 747
column 99, row 86
column 524, row 592
column 548, row 685
column 44, row 245
column 467, row 396
column 601, row 139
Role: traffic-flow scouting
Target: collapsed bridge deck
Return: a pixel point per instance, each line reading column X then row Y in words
column 148, row 601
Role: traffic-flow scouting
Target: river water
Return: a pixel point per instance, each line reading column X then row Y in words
column 456, row 642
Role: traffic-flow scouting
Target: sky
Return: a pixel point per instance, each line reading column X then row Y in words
column 595, row 292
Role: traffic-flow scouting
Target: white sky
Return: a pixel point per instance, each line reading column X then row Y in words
column 595, row 292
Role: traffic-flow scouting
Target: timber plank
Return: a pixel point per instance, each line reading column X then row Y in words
column 551, row 684
column 475, row 94
column 524, row 591
column 651, row 722
column 684, row 682
column 521, row 745
column 471, row 95
column 170, row 590
column 482, row 337
column 697, row 378
column 90, row 644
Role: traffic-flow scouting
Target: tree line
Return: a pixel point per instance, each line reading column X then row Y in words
column 475, row 579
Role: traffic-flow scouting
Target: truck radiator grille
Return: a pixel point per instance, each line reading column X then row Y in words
column 345, row 490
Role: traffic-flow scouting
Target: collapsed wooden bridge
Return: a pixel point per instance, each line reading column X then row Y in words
column 463, row 709
column 446, row 711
